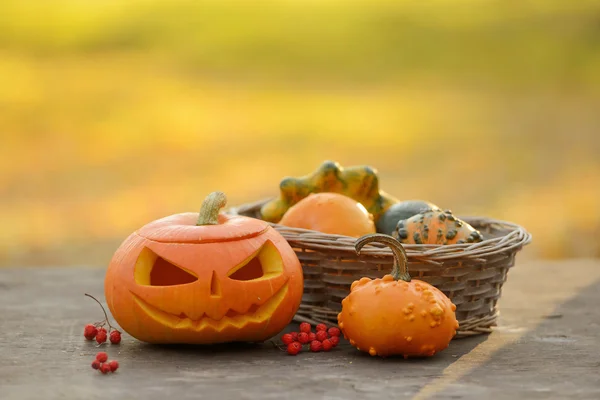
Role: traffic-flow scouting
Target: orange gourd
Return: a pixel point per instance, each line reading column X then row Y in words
column 395, row 315
column 435, row 227
column 331, row 213
column 204, row 278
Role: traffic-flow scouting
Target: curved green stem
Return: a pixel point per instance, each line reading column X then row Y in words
column 212, row 204
column 400, row 268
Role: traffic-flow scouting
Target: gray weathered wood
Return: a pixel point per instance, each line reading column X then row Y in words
column 44, row 355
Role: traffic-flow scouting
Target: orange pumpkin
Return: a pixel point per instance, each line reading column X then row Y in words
column 435, row 227
column 396, row 315
column 331, row 213
column 203, row 278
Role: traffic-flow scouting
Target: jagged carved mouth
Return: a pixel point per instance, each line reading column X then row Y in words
column 256, row 314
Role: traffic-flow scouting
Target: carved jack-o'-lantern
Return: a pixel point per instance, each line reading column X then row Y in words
column 204, row 278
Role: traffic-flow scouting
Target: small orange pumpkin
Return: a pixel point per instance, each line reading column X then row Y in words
column 204, row 278
column 332, row 213
column 435, row 227
column 395, row 315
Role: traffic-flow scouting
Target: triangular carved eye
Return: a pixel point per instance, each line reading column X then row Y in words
column 250, row 271
column 166, row 274
column 153, row 270
column 265, row 264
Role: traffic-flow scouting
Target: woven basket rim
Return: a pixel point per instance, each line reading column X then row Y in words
column 515, row 238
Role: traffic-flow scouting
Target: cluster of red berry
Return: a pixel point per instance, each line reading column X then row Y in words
column 101, row 363
column 323, row 339
column 97, row 331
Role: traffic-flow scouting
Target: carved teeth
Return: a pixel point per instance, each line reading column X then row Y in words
column 261, row 314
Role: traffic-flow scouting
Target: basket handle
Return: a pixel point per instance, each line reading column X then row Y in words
column 400, row 268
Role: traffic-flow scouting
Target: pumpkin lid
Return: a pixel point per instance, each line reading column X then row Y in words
column 182, row 228
column 204, row 227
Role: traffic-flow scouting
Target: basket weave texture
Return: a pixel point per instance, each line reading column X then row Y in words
column 471, row 275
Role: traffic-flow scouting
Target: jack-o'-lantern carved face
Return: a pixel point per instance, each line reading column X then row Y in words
column 192, row 278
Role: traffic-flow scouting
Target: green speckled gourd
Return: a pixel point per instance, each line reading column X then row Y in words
column 435, row 227
column 360, row 183
column 400, row 211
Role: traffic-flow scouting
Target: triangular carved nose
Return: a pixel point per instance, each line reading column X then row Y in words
column 215, row 285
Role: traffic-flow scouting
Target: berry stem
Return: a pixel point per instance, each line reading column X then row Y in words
column 105, row 315
column 400, row 268
column 277, row 346
column 209, row 212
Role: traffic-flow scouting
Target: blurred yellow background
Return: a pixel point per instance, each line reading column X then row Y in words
column 116, row 113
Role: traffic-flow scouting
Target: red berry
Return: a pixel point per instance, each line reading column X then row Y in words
column 321, row 335
column 312, row 336
column 303, row 337
column 321, row 327
column 294, row 336
column 327, row 345
column 101, row 336
column 95, row 364
column 101, row 356
column 90, row 332
column 114, row 365
column 305, row 327
column 333, row 331
column 294, row 348
column 115, row 337
column 287, row 338
column 316, row 346
column 335, row 340
column 105, row 368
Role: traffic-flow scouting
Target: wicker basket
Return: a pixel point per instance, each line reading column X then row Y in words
column 471, row 275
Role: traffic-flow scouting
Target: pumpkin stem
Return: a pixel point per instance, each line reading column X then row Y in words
column 212, row 204
column 400, row 268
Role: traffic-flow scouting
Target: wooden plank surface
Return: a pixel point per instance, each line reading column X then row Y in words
column 547, row 346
